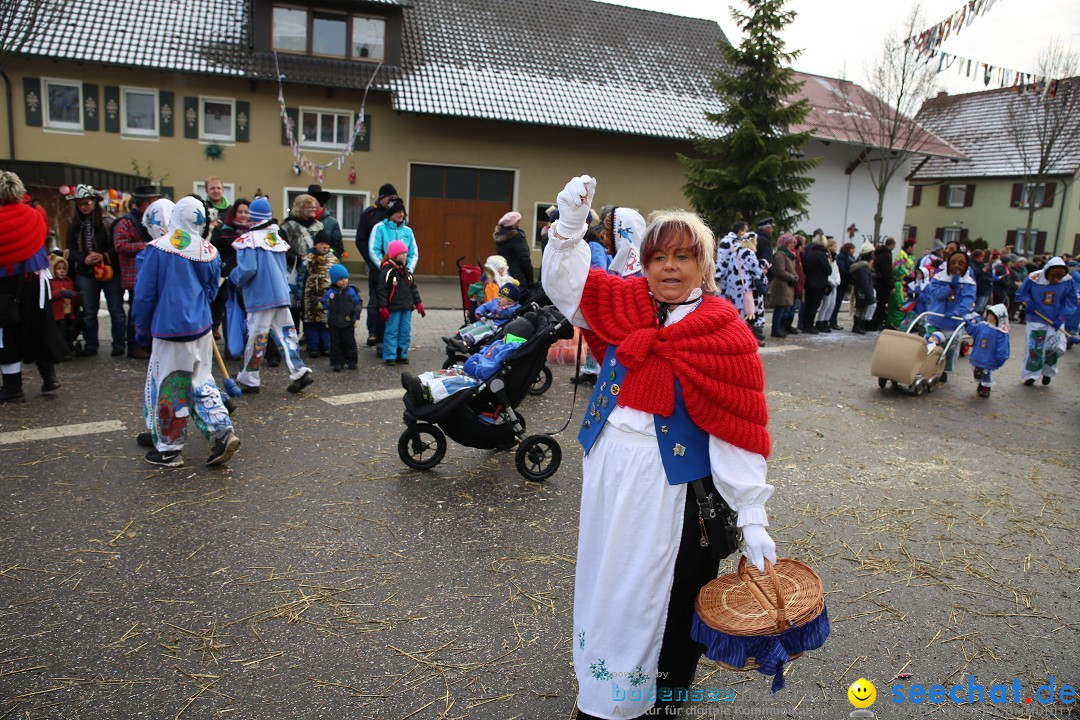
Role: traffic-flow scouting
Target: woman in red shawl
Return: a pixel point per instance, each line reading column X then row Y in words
column 27, row 329
column 679, row 401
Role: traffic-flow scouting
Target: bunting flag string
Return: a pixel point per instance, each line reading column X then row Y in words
column 318, row 170
column 929, row 41
column 1021, row 82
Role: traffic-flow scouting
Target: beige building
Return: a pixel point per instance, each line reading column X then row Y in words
column 986, row 196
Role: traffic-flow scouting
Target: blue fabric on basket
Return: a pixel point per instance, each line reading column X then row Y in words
column 769, row 651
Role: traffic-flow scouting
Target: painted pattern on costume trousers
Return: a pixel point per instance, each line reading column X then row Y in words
column 178, row 386
column 260, row 325
column 1039, row 361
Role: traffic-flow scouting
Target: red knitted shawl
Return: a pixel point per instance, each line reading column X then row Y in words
column 22, row 233
column 711, row 351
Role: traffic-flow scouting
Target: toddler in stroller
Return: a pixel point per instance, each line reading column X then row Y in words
column 483, row 415
column 489, row 317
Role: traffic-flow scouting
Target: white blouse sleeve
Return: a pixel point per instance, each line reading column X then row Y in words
column 739, row 476
column 565, row 269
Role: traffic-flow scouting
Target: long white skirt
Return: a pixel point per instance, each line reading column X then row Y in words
column 631, row 525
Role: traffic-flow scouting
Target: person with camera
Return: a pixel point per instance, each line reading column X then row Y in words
column 677, row 418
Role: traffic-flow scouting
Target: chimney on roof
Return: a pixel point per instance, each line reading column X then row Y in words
column 941, row 94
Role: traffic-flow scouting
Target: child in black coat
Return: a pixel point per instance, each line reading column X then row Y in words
column 397, row 298
column 341, row 303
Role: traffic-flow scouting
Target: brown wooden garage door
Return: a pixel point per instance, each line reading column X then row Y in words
column 453, row 212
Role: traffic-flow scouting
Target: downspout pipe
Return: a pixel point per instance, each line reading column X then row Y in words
column 10, row 114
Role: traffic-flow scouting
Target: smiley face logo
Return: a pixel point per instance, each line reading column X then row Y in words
column 862, row 693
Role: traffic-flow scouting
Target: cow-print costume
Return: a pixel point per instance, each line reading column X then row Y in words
column 728, row 282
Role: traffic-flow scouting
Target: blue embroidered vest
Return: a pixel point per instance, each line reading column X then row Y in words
column 684, row 447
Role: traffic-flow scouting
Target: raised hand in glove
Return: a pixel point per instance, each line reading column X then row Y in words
column 420, row 309
column 384, row 314
column 759, row 545
column 574, row 202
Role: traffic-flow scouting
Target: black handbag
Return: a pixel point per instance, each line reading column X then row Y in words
column 717, row 521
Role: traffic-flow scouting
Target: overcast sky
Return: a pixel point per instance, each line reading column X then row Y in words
column 839, row 34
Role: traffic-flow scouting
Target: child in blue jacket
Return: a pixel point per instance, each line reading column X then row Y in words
column 341, row 303
column 1049, row 297
column 178, row 278
column 990, row 348
column 492, row 315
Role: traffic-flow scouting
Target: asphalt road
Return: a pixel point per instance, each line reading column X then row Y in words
column 317, row 577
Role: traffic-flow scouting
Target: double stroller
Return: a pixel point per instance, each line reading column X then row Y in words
column 458, row 350
column 485, row 416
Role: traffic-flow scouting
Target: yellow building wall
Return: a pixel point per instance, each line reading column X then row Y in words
column 991, row 217
column 633, row 172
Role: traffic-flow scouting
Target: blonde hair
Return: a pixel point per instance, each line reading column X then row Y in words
column 211, row 179
column 11, row 188
column 820, row 239
column 301, row 202
column 667, row 227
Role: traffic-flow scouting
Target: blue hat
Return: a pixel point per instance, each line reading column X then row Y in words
column 338, row 272
column 510, row 290
column 260, row 211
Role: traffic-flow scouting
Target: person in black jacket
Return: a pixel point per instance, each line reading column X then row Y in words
column 843, row 263
column 510, row 242
column 883, row 285
column 371, row 217
column 817, row 269
column 90, row 246
column 342, row 305
column 765, row 230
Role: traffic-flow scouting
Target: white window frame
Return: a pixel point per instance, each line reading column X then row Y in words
column 139, row 132
column 47, row 121
column 1022, row 247
column 538, row 208
column 1030, row 189
column 209, row 137
column 199, row 188
column 910, row 196
column 317, row 145
column 951, row 234
column 336, row 208
column 953, row 189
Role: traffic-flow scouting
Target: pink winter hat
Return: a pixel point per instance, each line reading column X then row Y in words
column 510, row 219
column 396, row 248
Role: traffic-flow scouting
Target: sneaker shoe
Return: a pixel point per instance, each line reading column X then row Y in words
column 165, row 459
column 223, row 449
column 414, row 387
column 139, row 353
column 145, row 439
column 335, row 368
column 944, row 377
column 301, row 382
column 371, row 340
column 403, row 361
column 390, row 363
column 1029, row 382
column 1046, row 380
column 314, row 353
column 983, row 391
column 116, row 351
column 352, row 366
column 248, row 389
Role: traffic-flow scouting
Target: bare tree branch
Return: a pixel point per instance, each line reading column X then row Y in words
column 884, row 116
column 1045, row 131
column 20, row 20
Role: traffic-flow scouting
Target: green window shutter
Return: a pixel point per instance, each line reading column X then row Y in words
column 111, row 109
column 294, row 120
column 363, row 140
column 167, row 112
column 33, row 101
column 243, row 120
column 191, row 117
column 91, row 107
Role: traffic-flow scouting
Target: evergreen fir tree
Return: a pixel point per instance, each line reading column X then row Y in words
column 754, row 167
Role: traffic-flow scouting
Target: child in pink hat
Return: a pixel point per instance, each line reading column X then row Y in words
column 397, row 298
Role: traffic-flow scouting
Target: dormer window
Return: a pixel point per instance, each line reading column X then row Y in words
column 326, row 33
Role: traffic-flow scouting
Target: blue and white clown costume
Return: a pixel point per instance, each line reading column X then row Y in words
column 179, row 274
column 990, row 343
column 1048, row 306
column 262, row 275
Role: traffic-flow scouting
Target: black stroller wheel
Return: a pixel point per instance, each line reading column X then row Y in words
column 882, row 382
column 538, row 457
column 422, row 446
column 541, row 382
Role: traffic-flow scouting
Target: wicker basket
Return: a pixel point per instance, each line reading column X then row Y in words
column 749, row 603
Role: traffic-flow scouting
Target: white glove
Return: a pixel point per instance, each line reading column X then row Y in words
column 574, row 202
column 758, row 545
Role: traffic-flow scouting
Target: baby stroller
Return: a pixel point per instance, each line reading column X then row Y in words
column 484, row 416
column 459, row 350
column 901, row 358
